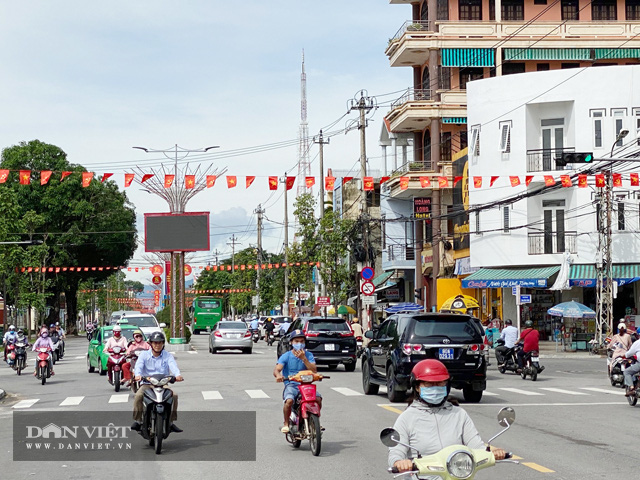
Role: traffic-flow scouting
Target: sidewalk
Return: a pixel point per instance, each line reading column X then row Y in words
column 548, row 350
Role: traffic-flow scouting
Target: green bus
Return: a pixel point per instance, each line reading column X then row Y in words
column 206, row 312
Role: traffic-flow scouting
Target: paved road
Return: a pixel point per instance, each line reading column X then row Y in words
column 562, row 429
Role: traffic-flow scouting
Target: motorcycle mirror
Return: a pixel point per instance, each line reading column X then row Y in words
column 389, row 437
column 506, row 416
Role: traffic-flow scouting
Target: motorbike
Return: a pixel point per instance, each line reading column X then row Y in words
column 532, row 366
column 116, row 358
column 43, row 370
column 156, row 417
column 508, row 362
column 133, row 358
column 255, row 336
column 270, row 337
column 456, row 461
column 359, row 347
column 304, row 422
column 20, row 360
column 55, row 339
column 632, row 399
column 10, row 350
column 615, row 366
column 89, row 331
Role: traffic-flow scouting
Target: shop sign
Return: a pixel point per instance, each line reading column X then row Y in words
column 422, row 208
column 527, row 283
column 427, row 258
column 392, row 293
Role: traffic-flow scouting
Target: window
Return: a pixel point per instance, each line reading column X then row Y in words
column 478, row 232
column 570, row 10
column 443, row 9
column 468, row 74
column 542, row 67
column 426, row 82
column 618, row 114
column 475, row 140
column 463, row 139
column 632, row 9
column 470, row 10
column 566, row 65
column 424, row 11
column 445, row 147
column 597, row 127
column 505, row 137
column 552, row 141
column 426, row 149
column 512, row 10
column 603, row 10
column 505, row 219
column 539, row 2
column 636, row 113
column 511, row 68
column 445, row 77
column 620, row 216
column 551, row 209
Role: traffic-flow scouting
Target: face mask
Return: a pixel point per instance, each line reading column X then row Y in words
column 433, row 395
column 44, row 334
column 298, row 346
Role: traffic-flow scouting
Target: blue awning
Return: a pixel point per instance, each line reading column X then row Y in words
column 587, row 276
column 510, row 277
column 468, row 57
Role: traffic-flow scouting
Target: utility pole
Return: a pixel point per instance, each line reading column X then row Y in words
column 286, row 247
column 233, row 244
column 259, row 211
column 216, row 253
column 322, row 142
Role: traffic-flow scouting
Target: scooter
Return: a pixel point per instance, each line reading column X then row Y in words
column 89, row 331
column 20, row 356
column 133, row 358
column 304, row 422
column 255, row 336
column 359, row 347
column 116, row 358
column 270, row 338
column 43, row 371
column 508, row 362
column 532, row 366
column 156, row 417
column 55, row 339
column 456, row 461
column 11, row 353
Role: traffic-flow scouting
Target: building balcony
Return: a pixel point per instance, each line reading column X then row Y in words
column 398, row 257
column 411, row 44
column 542, row 243
column 415, row 109
column 546, row 160
column 415, row 170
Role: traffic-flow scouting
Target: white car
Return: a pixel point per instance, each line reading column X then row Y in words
column 146, row 322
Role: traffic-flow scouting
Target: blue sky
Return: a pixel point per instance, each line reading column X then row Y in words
column 97, row 78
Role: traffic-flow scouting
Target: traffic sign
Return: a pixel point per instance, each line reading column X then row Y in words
column 368, row 288
column 156, row 280
column 525, row 299
column 367, row 273
column 323, row 301
column 368, row 300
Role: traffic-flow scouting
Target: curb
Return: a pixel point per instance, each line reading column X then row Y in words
column 2, row 394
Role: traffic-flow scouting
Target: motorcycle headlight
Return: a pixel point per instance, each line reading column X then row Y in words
column 306, row 378
column 460, row 465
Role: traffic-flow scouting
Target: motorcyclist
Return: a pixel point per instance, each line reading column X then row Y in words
column 288, row 364
column 621, row 342
column 138, row 343
column 255, row 325
column 44, row 341
column 431, row 423
column 9, row 337
column 356, row 328
column 118, row 340
column 156, row 361
column 530, row 341
column 62, row 335
column 284, row 326
column 510, row 335
column 269, row 327
column 632, row 370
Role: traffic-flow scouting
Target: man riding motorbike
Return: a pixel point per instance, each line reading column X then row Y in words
column 9, row 337
column 510, row 335
column 44, row 342
column 255, row 325
column 137, row 344
column 620, row 342
column 269, row 327
column 288, row 364
column 431, row 423
column 530, row 341
column 118, row 340
column 631, row 370
column 156, row 361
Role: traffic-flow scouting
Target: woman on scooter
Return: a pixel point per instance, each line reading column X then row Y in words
column 431, row 423
column 44, row 341
column 137, row 344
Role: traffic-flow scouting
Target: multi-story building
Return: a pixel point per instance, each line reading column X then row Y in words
column 521, row 235
column 448, row 43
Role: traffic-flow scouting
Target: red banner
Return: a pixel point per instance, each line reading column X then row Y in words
column 456, row 180
column 168, row 180
column 368, row 184
column 528, row 179
column 329, row 183
column 493, row 180
column 515, row 181
column 617, row 179
column 147, row 176
column 249, row 180
column 404, row 183
column 477, row 182
column 128, row 178
column 443, row 182
column 211, row 180
column 65, row 175
column 346, row 179
column 4, row 174
column 384, row 179
column 425, row 182
column 600, row 180
column 25, row 177
column 45, row 175
column 273, row 183
column 231, row 181
column 566, row 181
column 189, row 181
column 290, row 182
column 86, row 179
column 106, row 176
column 549, row 181
column 582, row 181
column 310, row 181
column 634, row 180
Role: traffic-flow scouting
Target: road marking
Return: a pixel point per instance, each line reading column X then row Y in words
column 192, row 352
column 390, row 408
column 602, row 390
column 80, row 357
column 26, row 403
column 212, row 395
column 69, row 401
column 491, row 394
column 567, row 404
column 567, row 392
column 537, row 467
column 119, row 398
column 521, row 392
column 259, row 353
column 347, row 392
column 256, row 394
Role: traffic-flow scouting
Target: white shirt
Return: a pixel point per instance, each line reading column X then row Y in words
column 634, row 350
column 509, row 335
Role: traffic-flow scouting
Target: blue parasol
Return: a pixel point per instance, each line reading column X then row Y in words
column 571, row 310
column 405, row 307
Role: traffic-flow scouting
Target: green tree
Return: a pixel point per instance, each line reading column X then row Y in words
column 134, row 286
column 334, row 255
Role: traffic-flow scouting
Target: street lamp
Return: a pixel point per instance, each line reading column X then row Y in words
column 621, row 135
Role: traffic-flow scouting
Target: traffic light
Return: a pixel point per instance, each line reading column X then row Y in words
column 418, row 293
column 574, row 157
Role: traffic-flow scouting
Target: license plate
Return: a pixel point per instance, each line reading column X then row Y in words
column 233, row 335
column 535, row 359
column 446, row 354
column 329, row 347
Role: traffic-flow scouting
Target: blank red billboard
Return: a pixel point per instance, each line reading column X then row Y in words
column 181, row 232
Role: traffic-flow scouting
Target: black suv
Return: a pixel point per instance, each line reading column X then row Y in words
column 405, row 339
column 330, row 340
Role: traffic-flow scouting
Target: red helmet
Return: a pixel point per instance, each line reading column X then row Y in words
column 429, row 371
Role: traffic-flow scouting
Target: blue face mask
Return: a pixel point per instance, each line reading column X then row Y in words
column 433, row 395
column 297, row 346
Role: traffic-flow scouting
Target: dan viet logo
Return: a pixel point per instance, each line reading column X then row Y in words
column 53, row 431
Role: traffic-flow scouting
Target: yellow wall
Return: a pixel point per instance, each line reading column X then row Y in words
column 450, row 287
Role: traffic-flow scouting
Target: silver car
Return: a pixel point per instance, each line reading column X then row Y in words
column 230, row 336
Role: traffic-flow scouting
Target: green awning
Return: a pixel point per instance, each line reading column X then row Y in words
column 606, row 53
column 587, row 275
column 380, row 279
column 535, row 277
column 456, row 120
column 547, row 54
column 468, row 57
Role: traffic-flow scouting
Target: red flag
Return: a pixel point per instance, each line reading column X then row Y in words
column 64, row 175
column 477, row 182
column 600, row 180
column 528, row 179
column 211, row 180
column 384, row 179
column 105, row 176
column 404, row 183
column 582, row 181
column 549, row 181
column 45, row 175
column 443, row 182
column 86, row 179
column 368, row 184
column 189, row 181
column 493, row 180
column 346, row 179
column 273, row 183
column 310, row 181
column 146, row 177
column 290, row 182
column 565, row 180
column 25, row 177
column 4, row 174
column 329, row 183
column 128, row 178
column 168, row 180
column 635, row 181
column 617, row 179
column 249, row 181
column 231, row 181
column 515, row 180
column 456, row 180
column 425, row 182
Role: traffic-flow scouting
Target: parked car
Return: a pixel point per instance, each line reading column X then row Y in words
column 233, row 335
column 95, row 357
column 330, row 340
column 145, row 321
column 405, row 339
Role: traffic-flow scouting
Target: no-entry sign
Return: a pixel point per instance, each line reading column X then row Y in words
column 367, row 273
column 368, row 288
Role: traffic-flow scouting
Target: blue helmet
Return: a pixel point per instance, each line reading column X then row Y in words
column 297, row 334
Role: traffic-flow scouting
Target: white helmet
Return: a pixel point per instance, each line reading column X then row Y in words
column 622, row 325
column 12, row 327
column 117, row 328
